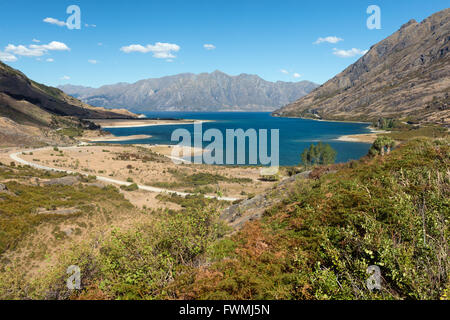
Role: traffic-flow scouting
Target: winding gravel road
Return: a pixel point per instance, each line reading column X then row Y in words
column 15, row 157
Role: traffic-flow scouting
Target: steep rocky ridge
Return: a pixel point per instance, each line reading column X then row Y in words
column 405, row 76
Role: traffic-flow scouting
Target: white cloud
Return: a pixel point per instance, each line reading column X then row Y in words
column 54, row 45
column 330, row 39
column 134, row 48
column 64, row 24
column 36, row 40
column 209, row 46
column 55, row 21
column 7, row 57
column 65, row 78
column 92, row 61
column 50, row 60
column 294, row 74
column 24, row 51
column 349, row 53
column 160, row 50
column 35, row 50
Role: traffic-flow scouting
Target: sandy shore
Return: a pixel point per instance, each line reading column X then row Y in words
column 118, row 139
column 363, row 138
column 110, row 124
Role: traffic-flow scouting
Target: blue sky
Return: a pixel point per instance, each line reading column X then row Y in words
column 276, row 40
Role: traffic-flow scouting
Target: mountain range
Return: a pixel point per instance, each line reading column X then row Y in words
column 214, row 91
column 406, row 76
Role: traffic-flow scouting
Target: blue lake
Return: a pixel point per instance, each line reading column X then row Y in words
column 295, row 134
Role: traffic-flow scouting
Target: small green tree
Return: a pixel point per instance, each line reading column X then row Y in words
column 320, row 154
column 309, row 155
column 327, row 154
column 381, row 146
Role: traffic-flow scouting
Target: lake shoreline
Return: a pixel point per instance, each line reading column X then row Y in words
column 324, row 120
column 113, row 138
column 141, row 123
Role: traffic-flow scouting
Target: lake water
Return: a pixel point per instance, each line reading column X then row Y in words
column 295, row 134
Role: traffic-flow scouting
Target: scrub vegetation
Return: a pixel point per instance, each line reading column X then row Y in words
column 389, row 210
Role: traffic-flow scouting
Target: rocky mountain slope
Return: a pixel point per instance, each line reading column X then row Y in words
column 405, row 76
column 215, row 91
column 26, row 101
column 29, row 111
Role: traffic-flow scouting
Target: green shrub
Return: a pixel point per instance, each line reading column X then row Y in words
column 196, row 180
column 131, row 187
column 270, row 178
column 320, row 154
column 141, row 263
column 71, row 132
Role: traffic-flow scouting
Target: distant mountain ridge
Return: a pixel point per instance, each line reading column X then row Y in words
column 215, row 91
column 406, row 76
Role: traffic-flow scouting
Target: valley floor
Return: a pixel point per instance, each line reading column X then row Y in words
column 149, row 166
column 310, row 236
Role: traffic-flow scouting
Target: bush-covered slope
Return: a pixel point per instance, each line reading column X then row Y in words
column 392, row 212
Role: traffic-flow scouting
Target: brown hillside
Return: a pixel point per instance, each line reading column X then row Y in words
column 406, row 76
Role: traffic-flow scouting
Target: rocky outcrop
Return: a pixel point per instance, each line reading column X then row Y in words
column 406, row 76
column 237, row 215
column 64, row 181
